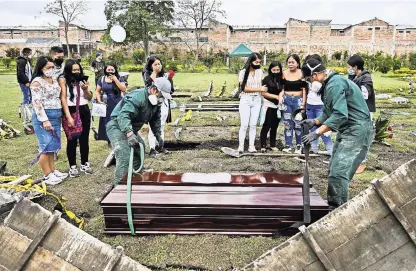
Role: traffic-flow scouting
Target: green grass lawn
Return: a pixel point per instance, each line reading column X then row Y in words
column 205, row 252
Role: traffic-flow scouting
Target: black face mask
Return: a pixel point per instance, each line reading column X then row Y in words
column 255, row 66
column 77, row 76
column 109, row 73
column 59, row 61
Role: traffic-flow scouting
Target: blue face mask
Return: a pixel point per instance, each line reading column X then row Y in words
column 351, row 72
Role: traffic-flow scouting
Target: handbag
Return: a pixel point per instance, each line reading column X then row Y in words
column 76, row 131
column 99, row 110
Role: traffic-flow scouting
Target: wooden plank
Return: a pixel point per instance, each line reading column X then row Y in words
column 115, row 259
column 14, row 245
column 65, row 240
column 364, row 222
column 21, row 262
column 20, row 179
column 400, row 216
column 375, row 242
column 402, row 259
column 315, row 247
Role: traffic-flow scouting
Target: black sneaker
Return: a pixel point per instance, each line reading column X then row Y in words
column 153, row 153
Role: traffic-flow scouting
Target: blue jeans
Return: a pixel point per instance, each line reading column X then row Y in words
column 27, row 97
column 312, row 112
column 292, row 103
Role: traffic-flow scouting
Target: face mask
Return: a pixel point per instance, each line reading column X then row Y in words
column 29, row 56
column 48, row 73
column 153, row 99
column 77, row 76
column 59, row 61
column 255, row 66
column 275, row 74
column 351, row 72
column 109, row 73
column 316, row 86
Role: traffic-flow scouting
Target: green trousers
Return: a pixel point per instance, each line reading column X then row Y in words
column 350, row 149
column 122, row 151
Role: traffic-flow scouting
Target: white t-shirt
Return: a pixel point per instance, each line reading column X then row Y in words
column 253, row 81
column 313, row 97
column 82, row 100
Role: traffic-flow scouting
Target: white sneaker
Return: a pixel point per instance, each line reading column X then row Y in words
column 241, row 149
column 298, row 149
column 73, row 172
column 252, row 149
column 287, row 149
column 274, row 149
column 263, row 150
column 60, row 175
column 51, row 179
column 86, row 168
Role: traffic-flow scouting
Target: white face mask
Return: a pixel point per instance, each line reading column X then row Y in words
column 153, row 99
column 351, row 72
column 316, row 86
column 48, row 73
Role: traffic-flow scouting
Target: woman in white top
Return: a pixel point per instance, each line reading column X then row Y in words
column 250, row 79
column 72, row 83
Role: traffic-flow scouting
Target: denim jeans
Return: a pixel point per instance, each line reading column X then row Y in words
column 292, row 103
column 312, row 112
column 27, row 97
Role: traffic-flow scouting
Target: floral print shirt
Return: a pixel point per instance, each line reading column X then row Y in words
column 45, row 96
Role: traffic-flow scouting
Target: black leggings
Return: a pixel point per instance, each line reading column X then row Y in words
column 270, row 124
column 71, row 146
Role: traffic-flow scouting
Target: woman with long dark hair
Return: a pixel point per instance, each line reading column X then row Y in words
column 110, row 86
column 76, row 90
column 294, row 97
column 151, row 71
column 47, row 118
column 250, row 80
column 272, row 99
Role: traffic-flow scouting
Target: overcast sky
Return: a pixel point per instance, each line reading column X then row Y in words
column 240, row 12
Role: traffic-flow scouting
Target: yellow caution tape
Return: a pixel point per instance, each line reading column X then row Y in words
column 42, row 190
column 187, row 117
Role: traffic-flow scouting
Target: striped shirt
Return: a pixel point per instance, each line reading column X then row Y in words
column 253, row 81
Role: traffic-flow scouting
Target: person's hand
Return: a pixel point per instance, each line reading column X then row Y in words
column 280, row 99
column 307, row 139
column 71, row 122
column 84, row 86
column 263, row 89
column 309, row 122
column 133, row 140
column 101, row 102
column 27, row 84
column 47, row 125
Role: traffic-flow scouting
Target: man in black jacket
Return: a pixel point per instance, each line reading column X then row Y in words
column 24, row 76
column 362, row 78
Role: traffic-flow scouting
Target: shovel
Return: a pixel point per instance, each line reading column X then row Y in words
column 236, row 154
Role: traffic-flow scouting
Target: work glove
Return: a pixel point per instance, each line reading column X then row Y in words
column 133, row 140
column 309, row 122
column 307, row 139
column 160, row 148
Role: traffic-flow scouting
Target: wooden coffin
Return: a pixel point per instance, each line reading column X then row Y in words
column 219, row 203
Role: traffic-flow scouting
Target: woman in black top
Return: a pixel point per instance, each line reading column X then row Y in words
column 272, row 98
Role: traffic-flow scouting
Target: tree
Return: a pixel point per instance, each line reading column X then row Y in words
column 142, row 20
column 12, row 52
column 68, row 11
column 196, row 15
column 412, row 61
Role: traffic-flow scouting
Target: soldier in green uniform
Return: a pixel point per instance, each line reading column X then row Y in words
column 131, row 113
column 345, row 112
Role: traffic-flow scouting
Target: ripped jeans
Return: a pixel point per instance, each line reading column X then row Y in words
column 291, row 103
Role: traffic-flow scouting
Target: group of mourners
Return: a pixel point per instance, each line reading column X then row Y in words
column 59, row 93
column 331, row 103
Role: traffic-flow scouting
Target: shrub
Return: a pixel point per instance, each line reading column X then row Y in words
column 6, row 61
column 13, row 52
column 119, row 57
column 172, row 65
column 131, row 68
column 341, row 70
column 138, row 56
